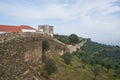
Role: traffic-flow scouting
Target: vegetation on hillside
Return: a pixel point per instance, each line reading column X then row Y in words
column 98, row 56
column 49, row 68
column 77, row 70
column 105, row 55
column 67, row 57
column 71, row 39
column 62, row 38
column 70, row 66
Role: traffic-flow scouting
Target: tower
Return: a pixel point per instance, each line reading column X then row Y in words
column 48, row 29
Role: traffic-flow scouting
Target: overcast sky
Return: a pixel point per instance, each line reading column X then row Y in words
column 95, row 19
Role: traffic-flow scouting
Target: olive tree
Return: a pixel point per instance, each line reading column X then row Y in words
column 95, row 69
column 67, row 58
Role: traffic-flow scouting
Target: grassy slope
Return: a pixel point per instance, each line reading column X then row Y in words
column 76, row 71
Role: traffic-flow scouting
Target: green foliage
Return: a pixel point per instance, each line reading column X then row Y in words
column 73, row 39
column 78, row 70
column 50, row 66
column 105, row 55
column 117, row 73
column 96, row 70
column 45, row 45
column 62, row 38
column 67, row 57
column 111, row 74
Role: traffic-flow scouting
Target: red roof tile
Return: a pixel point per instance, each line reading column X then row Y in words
column 8, row 28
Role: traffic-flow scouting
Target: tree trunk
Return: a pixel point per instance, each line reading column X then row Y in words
column 94, row 77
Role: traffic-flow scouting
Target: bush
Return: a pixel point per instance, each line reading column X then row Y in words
column 50, row 66
column 45, row 45
column 67, row 57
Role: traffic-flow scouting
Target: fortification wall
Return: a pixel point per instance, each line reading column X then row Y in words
column 19, row 52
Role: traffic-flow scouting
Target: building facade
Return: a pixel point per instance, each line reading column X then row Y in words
column 48, row 29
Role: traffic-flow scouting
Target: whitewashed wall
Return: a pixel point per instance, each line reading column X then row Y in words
column 28, row 30
column 2, row 32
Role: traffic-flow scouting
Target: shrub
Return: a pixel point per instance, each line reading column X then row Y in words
column 50, row 66
column 45, row 45
column 67, row 57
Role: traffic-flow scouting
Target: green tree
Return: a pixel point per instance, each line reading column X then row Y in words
column 45, row 47
column 108, row 65
column 73, row 39
column 67, row 57
column 62, row 38
column 95, row 69
column 50, row 66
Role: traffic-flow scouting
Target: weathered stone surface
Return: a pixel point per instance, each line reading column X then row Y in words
column 21, row 52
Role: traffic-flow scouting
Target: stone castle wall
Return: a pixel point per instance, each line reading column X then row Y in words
column 21, row 51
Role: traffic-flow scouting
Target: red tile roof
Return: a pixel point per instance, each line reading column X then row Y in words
column 10, row 28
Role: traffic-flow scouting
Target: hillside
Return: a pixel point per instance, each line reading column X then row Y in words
column 96, row 54
column 77, row 70
column 105, row 55
column 21, row 59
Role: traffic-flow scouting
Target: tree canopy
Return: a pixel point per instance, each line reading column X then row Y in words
column 45, row 45
column 73, row 39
